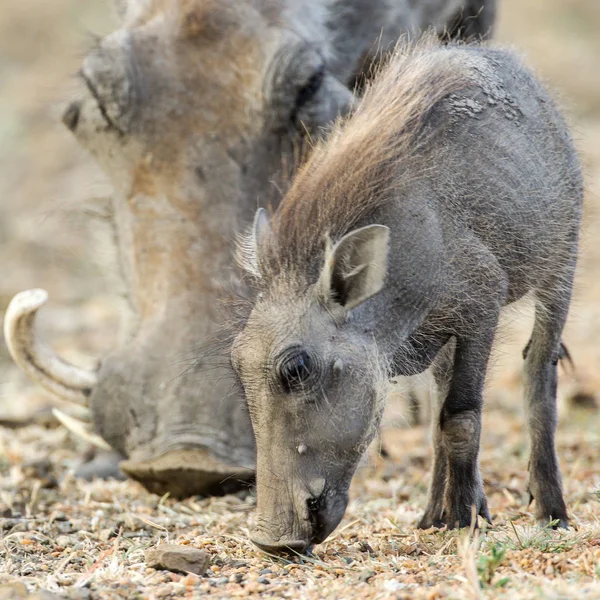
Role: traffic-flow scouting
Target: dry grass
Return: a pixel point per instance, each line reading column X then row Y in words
column 88, row 539
column 71, row 536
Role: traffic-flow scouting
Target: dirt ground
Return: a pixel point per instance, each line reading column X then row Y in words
column 87, row 539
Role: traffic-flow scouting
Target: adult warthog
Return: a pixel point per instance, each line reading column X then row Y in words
column 195, row 109
column 452, row 191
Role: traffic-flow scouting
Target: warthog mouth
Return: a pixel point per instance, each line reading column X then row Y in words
column 315, row 511
column 322, row 523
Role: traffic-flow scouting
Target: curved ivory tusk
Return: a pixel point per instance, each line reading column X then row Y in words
column 80, row 429
column 81, row 413
column 36, row 358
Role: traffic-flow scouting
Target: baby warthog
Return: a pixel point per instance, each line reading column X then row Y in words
column 452, row 191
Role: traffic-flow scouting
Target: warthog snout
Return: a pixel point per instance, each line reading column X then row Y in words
column 325, row 513
column 315, row 516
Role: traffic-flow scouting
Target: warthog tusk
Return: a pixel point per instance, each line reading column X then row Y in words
column 36, row 358
column 80, row 429
column 81, row 413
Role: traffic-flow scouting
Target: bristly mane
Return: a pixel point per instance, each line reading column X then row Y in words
column 367, row 156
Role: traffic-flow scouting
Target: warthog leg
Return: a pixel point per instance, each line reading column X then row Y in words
column 543, row 353
column 442, row 373
column 460, row 426
column 456, row 491
column 460, row 371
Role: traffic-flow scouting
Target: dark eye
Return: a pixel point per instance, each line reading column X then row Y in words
column 296, row 369
column 310, row 88
column 308, row 91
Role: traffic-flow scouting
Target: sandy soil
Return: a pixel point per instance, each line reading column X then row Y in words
column 87, row 540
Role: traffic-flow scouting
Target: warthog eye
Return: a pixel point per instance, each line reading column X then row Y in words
column 295, row 369
column 309, row 90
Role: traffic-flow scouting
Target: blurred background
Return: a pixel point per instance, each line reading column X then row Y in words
column 52, row 236
column 51, row 232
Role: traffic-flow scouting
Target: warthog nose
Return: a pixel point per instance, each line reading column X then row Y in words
column 325, row 511
column 71, row 115
column 315, row 513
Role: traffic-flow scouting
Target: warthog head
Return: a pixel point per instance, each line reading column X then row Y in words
column 192, row 108
column 315, row 389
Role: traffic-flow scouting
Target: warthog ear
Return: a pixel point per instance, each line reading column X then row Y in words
column 248, row 245
column 355, row 268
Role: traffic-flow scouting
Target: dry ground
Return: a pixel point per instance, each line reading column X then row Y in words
column 88, row 539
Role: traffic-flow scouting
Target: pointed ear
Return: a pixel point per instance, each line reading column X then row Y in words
column 248, row 246
column 356, row 267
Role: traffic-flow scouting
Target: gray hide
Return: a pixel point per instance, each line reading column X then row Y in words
column 453, row 191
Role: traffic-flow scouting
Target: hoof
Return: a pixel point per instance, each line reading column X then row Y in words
column 553, row 523
column 427, row 522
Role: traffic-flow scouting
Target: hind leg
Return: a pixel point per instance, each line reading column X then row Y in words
column 541, row 359
column 414, row 406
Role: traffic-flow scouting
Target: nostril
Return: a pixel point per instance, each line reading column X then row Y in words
column 313, row 505
column 316, row 507
column 71, row 116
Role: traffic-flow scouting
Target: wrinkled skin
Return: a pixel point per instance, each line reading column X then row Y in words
column 182, row 141
column 198, row 110
column 452, row 191
column 310, row 436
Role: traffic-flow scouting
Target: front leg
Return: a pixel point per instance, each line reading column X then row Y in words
column 434, row 513
column 464, row 495
column 456, row 491
column 442, row 370
column 456, row 485
column 460, row 427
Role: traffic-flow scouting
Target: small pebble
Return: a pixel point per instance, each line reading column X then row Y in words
column 106, row 534
column 179, row 559
column 266, row 572
column 64, row 541
column 65, row 527
column 264, row 580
